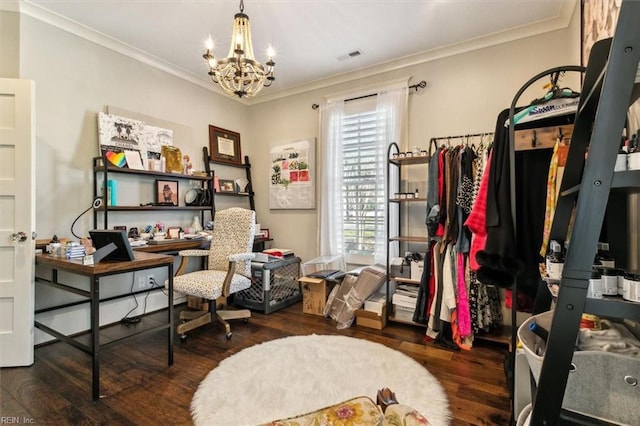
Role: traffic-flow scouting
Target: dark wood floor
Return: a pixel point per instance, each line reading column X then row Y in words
column 137, row 386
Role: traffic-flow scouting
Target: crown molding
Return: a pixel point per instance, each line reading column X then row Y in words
column 561, row 21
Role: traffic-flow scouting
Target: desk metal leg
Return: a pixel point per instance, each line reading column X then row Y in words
column 170, row 313
column 95, row 335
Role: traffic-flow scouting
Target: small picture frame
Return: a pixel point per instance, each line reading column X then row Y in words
column 265, row 233
column 166, row 192
column 227, row 185
column 173, row 233
column 224, row 146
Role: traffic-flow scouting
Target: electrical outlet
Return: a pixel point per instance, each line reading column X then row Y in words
column 141, row 281
column 151, row 280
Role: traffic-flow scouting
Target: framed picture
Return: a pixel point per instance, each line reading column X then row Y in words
column 227, row 185
column 265, row 233
column 166, row 192
column 292, row 175
column 173, row 233
column 224, row 146
column 599, row 21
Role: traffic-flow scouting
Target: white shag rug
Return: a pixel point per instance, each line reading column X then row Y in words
column 295, row 375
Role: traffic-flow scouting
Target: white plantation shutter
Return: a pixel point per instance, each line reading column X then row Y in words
column 363, row 215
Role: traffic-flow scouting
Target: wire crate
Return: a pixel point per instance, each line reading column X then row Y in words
column 275, row 286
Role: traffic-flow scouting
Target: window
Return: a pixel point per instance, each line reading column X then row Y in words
column 363, row 198
column 354, row 136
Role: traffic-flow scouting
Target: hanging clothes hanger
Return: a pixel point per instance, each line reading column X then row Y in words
column 555, row 91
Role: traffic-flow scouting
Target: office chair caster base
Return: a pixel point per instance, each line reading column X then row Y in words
column 229, row 334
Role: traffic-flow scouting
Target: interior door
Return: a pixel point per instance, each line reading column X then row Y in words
column 17, row 221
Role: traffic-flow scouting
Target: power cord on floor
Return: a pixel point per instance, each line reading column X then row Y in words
column 136, row 319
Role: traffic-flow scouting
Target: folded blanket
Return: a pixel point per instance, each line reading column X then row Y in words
column 612, row 338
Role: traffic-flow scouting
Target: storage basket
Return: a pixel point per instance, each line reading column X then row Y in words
column 600, row 385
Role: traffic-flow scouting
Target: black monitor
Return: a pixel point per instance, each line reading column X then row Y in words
column 111, row 244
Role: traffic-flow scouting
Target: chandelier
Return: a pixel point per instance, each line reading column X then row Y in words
column 239, row 73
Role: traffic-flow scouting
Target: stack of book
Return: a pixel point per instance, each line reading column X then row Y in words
column 73, row 250
column 280, row 253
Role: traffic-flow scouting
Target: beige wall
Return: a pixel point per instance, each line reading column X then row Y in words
column 9, row 44
column 75, row 79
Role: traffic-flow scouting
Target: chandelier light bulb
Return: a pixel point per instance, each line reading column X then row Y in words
column 239, row 74
column 270, row 52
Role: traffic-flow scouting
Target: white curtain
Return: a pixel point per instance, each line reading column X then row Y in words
column 330, row 194
column 392, row 125
column 391, row 112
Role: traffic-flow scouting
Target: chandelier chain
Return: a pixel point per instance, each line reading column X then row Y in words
column 241, row 6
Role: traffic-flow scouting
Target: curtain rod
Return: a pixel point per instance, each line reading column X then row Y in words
column 434, row 141
column 417, row 86
column 470, row 135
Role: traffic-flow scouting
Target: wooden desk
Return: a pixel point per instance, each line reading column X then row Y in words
column 177, row 245
column 173, row 245
column 95, row 272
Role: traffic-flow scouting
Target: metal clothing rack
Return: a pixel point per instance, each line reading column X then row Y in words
column 553, row 72
column 434, row 141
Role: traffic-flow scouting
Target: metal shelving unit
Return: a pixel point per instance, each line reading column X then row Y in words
column 609, row 88
column 402, row 240
column 101, row 167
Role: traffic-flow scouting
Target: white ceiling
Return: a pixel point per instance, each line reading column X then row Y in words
column 309, row 36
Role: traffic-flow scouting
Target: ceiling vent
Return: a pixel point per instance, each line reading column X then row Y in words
column 350, row 55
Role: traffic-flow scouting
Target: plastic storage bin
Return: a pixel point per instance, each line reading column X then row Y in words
column 323, row 263
column 275, row 286
column 602, row 383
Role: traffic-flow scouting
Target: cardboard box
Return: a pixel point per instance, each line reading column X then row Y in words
column 372, row 319
column 314, row 294
column 375, row 303
column 416, row 269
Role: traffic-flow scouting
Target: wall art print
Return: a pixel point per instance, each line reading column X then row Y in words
column 130, row 143
column 292, row 175
column 599, row 19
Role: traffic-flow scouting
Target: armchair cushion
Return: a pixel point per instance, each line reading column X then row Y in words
column 193, row 252
column 208, row 283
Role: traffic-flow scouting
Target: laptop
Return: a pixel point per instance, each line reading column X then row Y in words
column 325, row 273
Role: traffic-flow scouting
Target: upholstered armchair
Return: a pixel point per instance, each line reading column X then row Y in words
column 228, row 271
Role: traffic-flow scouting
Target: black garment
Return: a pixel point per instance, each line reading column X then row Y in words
column 532, row 171
column 499, row 262
column 421, row 315
column 465, row 199
column 433, row 204
column 504, row 258
column 451, row 191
